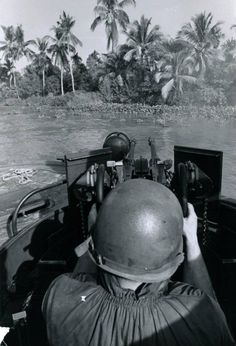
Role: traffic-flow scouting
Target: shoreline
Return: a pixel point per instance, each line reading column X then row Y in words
column 85, row 104
column 159, row 113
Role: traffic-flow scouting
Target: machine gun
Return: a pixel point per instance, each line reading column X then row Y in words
column 154, row 169
column 116, row 163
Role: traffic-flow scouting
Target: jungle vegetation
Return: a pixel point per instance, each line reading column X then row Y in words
column 197, row 66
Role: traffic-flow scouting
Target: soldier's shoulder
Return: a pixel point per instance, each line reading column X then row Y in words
column 176, row 288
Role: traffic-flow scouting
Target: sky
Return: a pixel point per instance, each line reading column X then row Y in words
column 38, row 16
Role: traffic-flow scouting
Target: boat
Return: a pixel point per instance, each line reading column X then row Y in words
column 44, row 247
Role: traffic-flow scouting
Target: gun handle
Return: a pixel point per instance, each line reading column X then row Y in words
column 100, row 184
column 182, row 182
column 184, row 205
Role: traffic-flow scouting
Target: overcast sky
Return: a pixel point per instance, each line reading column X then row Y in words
column 38, row 16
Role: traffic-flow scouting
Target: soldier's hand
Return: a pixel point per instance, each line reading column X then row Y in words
column 92, row 216
column 190, row 225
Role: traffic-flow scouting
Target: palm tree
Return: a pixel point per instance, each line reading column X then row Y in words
column 112, row 14
column 174, row 69
column 41, row 60
column 9, row 43
column 14, row 47
column 202, row 38
column 65, row 25
column 22, row 46
column 8, row 48
column 140, row 39
column 9, row 69
column 113, row 67
column 229, row 50
column 58, row 49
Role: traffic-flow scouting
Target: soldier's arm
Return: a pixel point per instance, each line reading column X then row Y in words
column 195, row 272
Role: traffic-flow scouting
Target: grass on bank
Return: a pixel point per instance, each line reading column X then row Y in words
column 91, row 104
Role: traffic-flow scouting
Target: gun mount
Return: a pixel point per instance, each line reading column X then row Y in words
column 90, row 177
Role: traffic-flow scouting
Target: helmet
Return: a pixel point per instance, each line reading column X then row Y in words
column 138, row 232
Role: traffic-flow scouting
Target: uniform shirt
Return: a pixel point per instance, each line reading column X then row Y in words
column 85, row 310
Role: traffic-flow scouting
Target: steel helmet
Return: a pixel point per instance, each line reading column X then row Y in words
column 138, row 232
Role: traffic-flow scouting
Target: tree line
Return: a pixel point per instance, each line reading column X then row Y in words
column 198, row 65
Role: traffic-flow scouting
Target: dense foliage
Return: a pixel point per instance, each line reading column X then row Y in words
column 197, row 67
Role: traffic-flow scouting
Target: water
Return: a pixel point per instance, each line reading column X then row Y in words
column 28, row 139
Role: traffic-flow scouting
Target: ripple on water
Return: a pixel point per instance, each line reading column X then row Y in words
column 26, row 137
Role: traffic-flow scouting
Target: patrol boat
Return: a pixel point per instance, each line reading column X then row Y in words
column 44, row 247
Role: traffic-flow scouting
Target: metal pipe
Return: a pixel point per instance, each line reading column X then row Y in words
column 152, row 144
column 130, row 155
column 13, row 229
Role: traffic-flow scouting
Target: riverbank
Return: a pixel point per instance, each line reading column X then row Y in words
column 91, row 104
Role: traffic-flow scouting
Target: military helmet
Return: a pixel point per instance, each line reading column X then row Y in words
column 138, row 232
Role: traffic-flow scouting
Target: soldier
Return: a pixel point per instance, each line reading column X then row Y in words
column 137, row 245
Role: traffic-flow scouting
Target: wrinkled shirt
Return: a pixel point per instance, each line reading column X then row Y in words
column 84, row 311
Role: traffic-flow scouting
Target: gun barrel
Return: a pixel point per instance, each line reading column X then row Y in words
column 130, row 155
column 153, row 148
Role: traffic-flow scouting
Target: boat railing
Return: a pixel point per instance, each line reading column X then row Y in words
column 12, row 229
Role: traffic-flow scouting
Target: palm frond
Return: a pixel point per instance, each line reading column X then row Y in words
column 122, row 18
column 114, row 33
column 71, row 49
column 154, row 34
column 109, row 41
column 9, row 32
column 129, row 55
column 74, row 40
column 95, row 23
column 120, row 80
column 107, row 3
column 27, row 43
column 188, row 32
column 4, row 28
column 132, row 40
column 48, row 37
column 158, row 77
column 28, row 53
column 126, row 3
column 19, row 34
column 143, row 28
column 3, row 47
column 166, row 89
column 100, row 10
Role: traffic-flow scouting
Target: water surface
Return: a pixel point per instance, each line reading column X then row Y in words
column 27, row 139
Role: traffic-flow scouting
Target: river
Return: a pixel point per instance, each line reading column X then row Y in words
column 27, row 139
